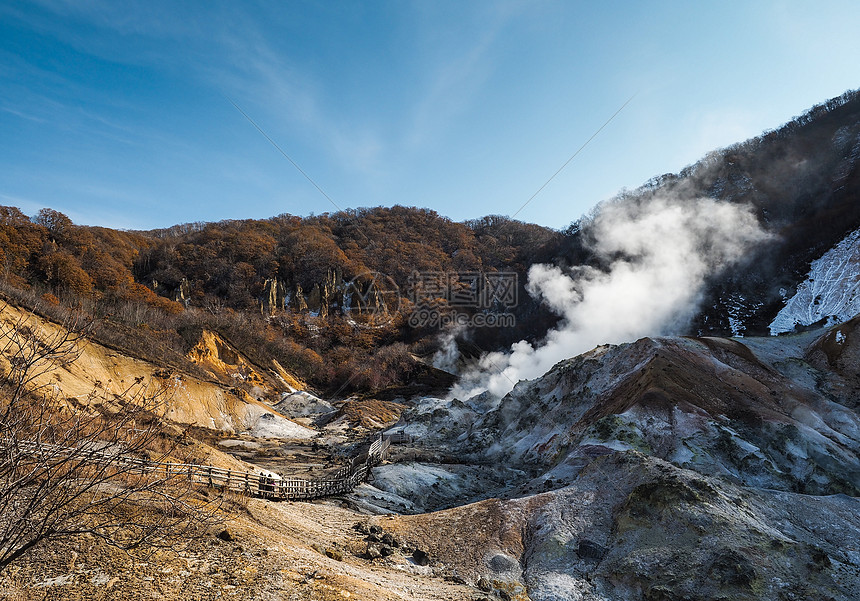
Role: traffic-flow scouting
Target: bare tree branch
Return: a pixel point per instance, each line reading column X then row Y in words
column 70, row 467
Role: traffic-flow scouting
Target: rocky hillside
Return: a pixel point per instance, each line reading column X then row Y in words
column 829, row 292
column 633, row 527
column 668, row 468
column 215, row 403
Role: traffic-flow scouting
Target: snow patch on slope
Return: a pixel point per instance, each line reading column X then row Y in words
column 740, row 310
column 831, row 290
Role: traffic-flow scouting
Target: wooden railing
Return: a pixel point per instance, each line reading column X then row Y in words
column 263, row 484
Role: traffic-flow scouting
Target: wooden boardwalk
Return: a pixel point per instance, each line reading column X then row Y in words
column 261, row 484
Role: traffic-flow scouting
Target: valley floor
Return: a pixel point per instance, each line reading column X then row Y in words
column 276, row 551
column 668, row 469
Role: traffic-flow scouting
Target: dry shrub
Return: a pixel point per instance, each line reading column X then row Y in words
column 71, row 468
column 50, row 299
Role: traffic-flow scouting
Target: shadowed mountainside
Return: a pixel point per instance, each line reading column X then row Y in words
column 802, row 180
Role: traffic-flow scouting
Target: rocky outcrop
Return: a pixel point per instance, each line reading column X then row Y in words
column 323, row 298
column 315, row 302
column 360, row 296
column 636, row 528
column 182, row 294
column 327, row 296
column 274, row 296
column 227, row 364
column 297, row 300
column 365, row 297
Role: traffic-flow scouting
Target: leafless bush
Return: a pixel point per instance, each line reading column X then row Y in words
column 74, row 466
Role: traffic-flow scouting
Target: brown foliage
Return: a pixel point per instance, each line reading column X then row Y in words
column 129, row 279
column 64, row 273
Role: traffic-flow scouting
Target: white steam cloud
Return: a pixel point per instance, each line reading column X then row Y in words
column 448, row 354
column 658, row 253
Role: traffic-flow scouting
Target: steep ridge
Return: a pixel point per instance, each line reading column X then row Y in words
column 187, row 400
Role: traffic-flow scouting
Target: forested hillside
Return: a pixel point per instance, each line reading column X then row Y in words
column 273, row 286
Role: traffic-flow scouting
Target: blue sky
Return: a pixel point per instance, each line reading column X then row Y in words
column 119, row 113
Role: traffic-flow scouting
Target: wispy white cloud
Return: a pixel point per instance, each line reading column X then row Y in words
column 22, row 114
column 456, row 74
column 238, row 51
column 717, row 128
column 283, row 96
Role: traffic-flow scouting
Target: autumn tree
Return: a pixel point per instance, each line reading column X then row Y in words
column 20, row 241
column 63, row 272
column 58, row 224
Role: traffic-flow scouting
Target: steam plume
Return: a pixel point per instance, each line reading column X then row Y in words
column 448, row 354
column 658, row 253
